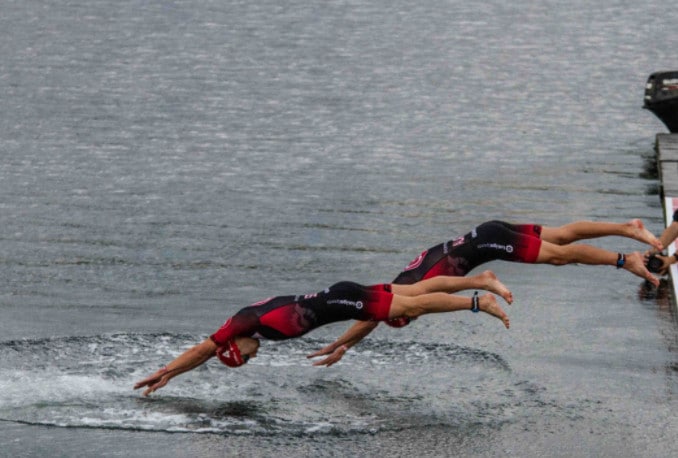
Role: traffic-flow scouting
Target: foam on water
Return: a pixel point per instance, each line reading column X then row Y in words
column 87, row 382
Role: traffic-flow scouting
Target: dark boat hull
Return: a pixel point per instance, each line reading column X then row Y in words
column 661, row 98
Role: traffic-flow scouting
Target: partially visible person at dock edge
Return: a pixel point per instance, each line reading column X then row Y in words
column 658, row 262
column 524, row 243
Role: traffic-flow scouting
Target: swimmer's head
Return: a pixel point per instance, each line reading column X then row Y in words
column 238, row 351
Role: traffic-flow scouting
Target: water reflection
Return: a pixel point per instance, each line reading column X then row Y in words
column 660, row 296
column 665, row 301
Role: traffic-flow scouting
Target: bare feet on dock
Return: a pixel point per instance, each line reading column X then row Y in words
column 635, row 264
column 640, row 233
column 490, row 282
column 488, row 304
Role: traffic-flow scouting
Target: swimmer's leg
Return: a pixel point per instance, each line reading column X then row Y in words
column 580, row 230
column 415, row 306
column 486, row 280
column 580, row 253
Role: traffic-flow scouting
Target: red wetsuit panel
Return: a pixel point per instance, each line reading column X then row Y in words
column 287, row 320
column 379, row 301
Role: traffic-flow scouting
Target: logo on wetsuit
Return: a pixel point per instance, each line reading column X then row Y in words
column 496, row 246
column 416, row 262
column 357, row 304
column 455, row 243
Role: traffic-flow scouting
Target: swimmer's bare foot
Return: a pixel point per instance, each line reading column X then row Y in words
column 634, row 264
column 640, row 233
column 490, row 282
column 488, row 304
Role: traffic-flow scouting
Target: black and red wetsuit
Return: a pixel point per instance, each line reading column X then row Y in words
column 285, row 317
column 488, row 242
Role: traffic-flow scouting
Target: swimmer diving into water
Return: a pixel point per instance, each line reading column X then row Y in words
column 288, row 317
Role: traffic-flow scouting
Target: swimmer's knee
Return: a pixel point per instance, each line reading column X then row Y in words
column 562, row 236
column 552, row 258
column 413, row 310
column 554, row 254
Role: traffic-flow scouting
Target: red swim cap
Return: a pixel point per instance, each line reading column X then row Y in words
column 399, row 322
column 232, row 357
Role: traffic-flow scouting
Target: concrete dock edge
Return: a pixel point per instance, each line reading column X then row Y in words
column 667, row 165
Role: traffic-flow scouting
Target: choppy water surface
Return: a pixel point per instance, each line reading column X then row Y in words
column 166, row 163
column 83, row 382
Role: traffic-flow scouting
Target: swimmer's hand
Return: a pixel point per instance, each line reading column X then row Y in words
column 190, row 359
column 666, row 264
column 324, row 351
column 154, row 382
column 334, row 355
column 666, row 261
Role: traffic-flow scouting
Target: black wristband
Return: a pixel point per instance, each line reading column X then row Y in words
column 621, row 259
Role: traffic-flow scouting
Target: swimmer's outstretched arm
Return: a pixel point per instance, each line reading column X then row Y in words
column 190, row 359
column 667, row 237
column 351, row 337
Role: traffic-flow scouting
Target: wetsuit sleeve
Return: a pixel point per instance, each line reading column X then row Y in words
column 240, row 324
